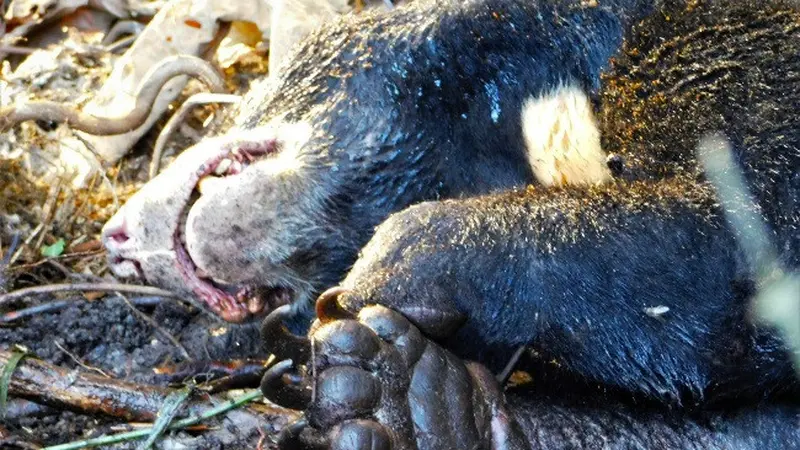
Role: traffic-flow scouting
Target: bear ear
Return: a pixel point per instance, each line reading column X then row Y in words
column 562, row 139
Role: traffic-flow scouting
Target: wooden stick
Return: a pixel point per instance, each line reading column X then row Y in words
column 54, row 386
column 64, row 287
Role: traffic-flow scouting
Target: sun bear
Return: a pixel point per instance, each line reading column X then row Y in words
column 531, row 169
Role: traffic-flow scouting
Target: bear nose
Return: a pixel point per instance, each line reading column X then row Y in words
column 115, row 233
column 118, row 236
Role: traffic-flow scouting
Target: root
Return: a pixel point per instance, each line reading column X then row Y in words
column 177, row 119
column 103, row 126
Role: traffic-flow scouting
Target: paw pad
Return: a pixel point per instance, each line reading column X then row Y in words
column 374, row 382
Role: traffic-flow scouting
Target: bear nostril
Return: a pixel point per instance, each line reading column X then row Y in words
column 118, row 237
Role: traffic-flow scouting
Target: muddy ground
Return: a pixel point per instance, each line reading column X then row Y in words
column 106, row 335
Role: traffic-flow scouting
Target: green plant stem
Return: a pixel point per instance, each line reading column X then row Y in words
column 183, row 423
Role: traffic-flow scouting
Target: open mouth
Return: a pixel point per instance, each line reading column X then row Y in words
column 234, row 303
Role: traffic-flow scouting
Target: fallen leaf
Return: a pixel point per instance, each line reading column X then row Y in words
column 51, row 251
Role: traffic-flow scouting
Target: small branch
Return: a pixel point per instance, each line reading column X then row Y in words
column 149, row 89
column 53, row 260
column 54, row 386
column 178, row 117
column 121, row 28
column 58, row 305
column 66, row 287
column 78, row 361
column 34, row 310
column 85, row 393
column 16, row 50
column 213, row 376
column 164, row 333
column 505, row 374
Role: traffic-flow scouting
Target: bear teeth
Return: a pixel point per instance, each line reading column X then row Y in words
column 222, row 167
column 208, row 183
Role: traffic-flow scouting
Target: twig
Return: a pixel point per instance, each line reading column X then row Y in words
column 261, row 440
column 60, row 267
column 313, row 370
column 79, row 362
column 61, row 304
column 16, row 50
column 203, row 98
column 50, row 207
column 103, row 126
column 61, row 388
column 102, row 287
column 86, row 393
column 15, row 442
column 166, row 334
column 34, row 310
column 12, row 247
column 716, row 157
column 25, row 243
column 123, row 437
column 6, row 259
column 123, row 27
column 505, row 374
column 120, row 44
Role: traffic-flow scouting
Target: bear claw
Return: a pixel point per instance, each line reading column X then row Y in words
column 286, row 385
column 376, row 382
column 279, row 341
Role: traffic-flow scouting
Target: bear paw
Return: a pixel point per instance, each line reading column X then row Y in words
column 374, row 381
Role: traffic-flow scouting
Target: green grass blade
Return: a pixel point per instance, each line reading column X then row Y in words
column 5, row 377
column 168, row 410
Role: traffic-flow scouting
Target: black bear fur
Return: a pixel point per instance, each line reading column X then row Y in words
column 571, row 272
